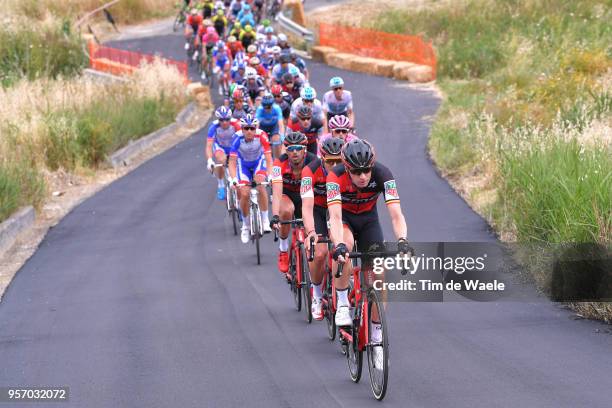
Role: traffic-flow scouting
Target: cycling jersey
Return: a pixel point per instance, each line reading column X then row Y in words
column 221, row 58
column 223, row 139
column 253, row 87
column 278, row 71
column 312, row 133
column 194, row 21
column 239, row 113
column 282, row 172
column 219, row 22
column 335, row 106
column 209, row 39
column 341, row 190
column 235, row 47
column 268, row 118
column 247, row 38
column 250, row 152
column 270, row 41
column 285, row 104
column 313, row 184
column 235, row 7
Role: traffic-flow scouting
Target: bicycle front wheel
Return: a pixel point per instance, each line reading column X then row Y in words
column 306, row 294
column 330, row 316
column 378, row 351
column 255, row 230
column 295, row 287
column 354, row 356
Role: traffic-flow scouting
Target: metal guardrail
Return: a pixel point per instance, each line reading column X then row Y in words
column 293, row 27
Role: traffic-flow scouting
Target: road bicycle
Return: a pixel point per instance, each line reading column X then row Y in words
column 179, row 20
column 256, row 223
column 299, row 273
column 231, row 198
column 328, row 298
column 356, row 338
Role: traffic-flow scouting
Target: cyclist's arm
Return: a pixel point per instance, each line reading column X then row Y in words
column 307, row 196
column 268, row 156
column 281, row 124
column 277, row 187
column 232, row 166
column 209, row 148
column 334, row 207
column 397, row 220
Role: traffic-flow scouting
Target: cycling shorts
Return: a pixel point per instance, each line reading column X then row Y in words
column 295, row 198
column 221, row 63
column 247, row 170
column 320, row 220
column 365, row 227
column 217, row 147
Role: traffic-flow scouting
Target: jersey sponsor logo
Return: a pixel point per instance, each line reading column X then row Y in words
column 333, row 192
column 372, row 184
column 306, row 187
column 391, row 191
column 276, row 172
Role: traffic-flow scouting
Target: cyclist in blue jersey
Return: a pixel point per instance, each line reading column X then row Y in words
column 270, row 117
column 221, row 135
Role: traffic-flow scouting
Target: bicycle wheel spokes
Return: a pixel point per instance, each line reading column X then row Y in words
column 354, row 356
column 378, row 349
column 307, row 296
column 329, row 307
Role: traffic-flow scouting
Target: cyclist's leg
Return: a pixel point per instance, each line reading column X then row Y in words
column 316, row 266
column 244, row 173
column 343, row 317
column 370, row 237
column 220, row 154
column 261, row 174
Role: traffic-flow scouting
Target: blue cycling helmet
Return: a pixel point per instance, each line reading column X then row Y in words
column 220, row 44
column 267, row 100
column 294, row 71
column 241, row 65
column 223, row 112
column 249, row 120
column 269, row 30
column 246, row 7
column 336, row 82
column 308, row 93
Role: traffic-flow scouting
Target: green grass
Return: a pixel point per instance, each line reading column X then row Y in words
column 38, row 53
column 20, row 184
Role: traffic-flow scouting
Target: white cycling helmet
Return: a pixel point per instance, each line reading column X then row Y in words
column 250, row 73
column 282, row 37
column 308, row 93
column 336, row 82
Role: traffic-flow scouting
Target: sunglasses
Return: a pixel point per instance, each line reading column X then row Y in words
column 289, row 83
column 295, row 148
column 248, row 128
column 306, row 118
column 359, row 172
column 308, row 100
column 343, row 131
column 333, row 162
column 338, row 88
column 267, row 106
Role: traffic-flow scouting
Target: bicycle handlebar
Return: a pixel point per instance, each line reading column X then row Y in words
column 352, row 255
column 321, row 240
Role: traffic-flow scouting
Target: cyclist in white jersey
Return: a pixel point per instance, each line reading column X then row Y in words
column 337, row 101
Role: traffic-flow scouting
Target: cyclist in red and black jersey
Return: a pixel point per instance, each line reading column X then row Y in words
column 286, row 181
column 314, row 212
column 305, row 125
column 352, row 191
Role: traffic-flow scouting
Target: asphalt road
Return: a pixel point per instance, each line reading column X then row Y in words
column 143, row 297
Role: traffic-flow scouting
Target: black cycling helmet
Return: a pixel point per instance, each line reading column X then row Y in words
column 295, row 138
column 285, row 59
column 358, row 154
column 267, row 100
column 332, row 146
column 304, row 112
column 287, row 78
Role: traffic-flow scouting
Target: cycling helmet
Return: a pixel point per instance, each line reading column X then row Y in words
column 285, row 59
column 332, row 146
column 237, row 24
column 251, row 49
column 249, row 120
column 220, row 12
column 276, row 49
column 194, row 11
column 265, row 22
column 276, row 90
column 295, row 138
column 220, row 44
column 238, row 94
column 207, row 22
column 231, row 38
column 269, row 30
column 287, row 78
column 260, row 38
column 223, row 113
column 304, row 112
column 336, row 82
column 250, row 73
column 294, row 71
column 339, row 122
column 211, row 30
column 308, row 92
column 254, row 61
column 358, row 154
column 267, row 100
column 241, row 65
column 282, row 37
column 248, row 28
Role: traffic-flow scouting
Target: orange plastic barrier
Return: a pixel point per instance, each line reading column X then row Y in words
column 120, row 62
column 377, row 44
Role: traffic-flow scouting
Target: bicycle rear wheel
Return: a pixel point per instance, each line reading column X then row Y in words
column 306, row 294
column 354, row 356
column 379, row 370
column 330, row 316
column 255, row 230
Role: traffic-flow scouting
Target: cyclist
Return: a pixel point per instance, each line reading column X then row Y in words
column 271, row 39
column 308, row 97
column 281, row 68
column 286, row 181
column 299, row 80
column 238, row 71
column 207, row 8
column 222, row 65
column 246, row 19
column 250, row 159
column 234, row 46
column 239, row 106
column 305, row 125
column 338, row 101
column 289, row 87
column 339, row 127
column 300, row 64
column 255, row 63
column 219, row 142
column 220, row 22
column 283, row 43
column 352, row 191
column 282, row 99
column 235, row 7
column 270, row 117
column 314, row 212
column 254, row 86
column 247, row 36
column 192, row 26
column 236, row 30
column 209, row 38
